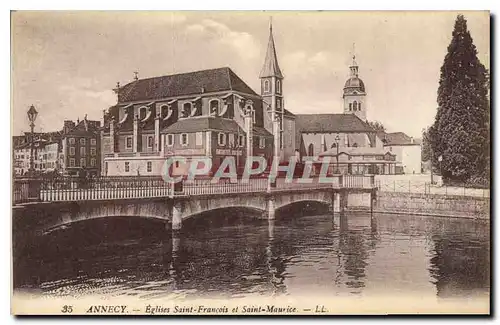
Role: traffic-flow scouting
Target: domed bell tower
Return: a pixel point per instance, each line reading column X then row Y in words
column 354, row 93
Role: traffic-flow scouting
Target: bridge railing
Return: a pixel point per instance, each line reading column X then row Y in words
column 357, row 181
column 299, row 184
column 102, row 188
column 109, row 188
column 223, row 186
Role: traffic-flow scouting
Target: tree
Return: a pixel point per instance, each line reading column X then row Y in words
column 460, row 133
column 377, row 126
column 426, row 146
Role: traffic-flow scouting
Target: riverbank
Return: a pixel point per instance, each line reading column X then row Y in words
column 422, row 204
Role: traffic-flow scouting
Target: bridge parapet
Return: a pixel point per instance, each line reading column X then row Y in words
column 136, row 187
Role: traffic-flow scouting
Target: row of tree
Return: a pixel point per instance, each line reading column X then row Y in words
column 460, row 134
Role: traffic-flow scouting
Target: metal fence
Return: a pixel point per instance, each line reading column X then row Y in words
column 401, row 186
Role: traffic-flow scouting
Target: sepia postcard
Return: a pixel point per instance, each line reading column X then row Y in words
column 250, row 163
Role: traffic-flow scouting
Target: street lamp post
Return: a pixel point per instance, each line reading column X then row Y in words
column 337, row 141
column 32, row 114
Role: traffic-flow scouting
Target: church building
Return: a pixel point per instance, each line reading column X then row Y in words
column 211, row 113
column 346, row 139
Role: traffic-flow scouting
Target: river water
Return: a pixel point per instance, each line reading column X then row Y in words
column 226, row 255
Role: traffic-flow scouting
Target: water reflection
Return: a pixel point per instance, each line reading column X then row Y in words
column 456, row 266
column 352, row 247
column 217, row 255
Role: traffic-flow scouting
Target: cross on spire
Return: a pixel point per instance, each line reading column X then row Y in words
column 354, row 65
column 354, row 54
column 136, row 75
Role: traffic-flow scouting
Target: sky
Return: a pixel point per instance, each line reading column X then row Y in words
column 67, row 63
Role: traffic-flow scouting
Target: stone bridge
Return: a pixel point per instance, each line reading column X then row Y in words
column 54, row 207
column 47, row 215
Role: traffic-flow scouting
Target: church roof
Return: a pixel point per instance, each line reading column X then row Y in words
column 355, row 82
column 329, row 123
column 271, row 67
column 288, row 113
column 197, row 124
column 189, row 83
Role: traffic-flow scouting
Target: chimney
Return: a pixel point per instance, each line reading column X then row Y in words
column 411, row 140
column 85, row 122
column 67, row 126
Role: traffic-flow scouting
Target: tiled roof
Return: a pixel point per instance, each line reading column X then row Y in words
column 190, row 83
column 257, row 130
column 196, row 124
column 39, row 143
column 329, row 123
column 83, row 128
column 397, row 139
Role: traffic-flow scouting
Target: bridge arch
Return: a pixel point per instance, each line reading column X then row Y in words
column 75, row 221
column 304, row 202
column 322, row 197
column 193, row 208
column 230, row 211
column 55, row 214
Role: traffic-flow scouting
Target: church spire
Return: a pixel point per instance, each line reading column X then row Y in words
column 354, row 65
column 271, row 67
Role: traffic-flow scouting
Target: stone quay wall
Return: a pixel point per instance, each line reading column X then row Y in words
column 423, row 204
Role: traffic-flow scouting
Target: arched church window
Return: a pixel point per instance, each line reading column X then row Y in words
column 350, row 106
column 278, row 86
column 266, row 86
column 355, row 106
column 214, row 107
column 359, row 106
column 310, row 150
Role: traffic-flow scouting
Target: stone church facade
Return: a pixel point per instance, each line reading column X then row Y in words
column 210, row 113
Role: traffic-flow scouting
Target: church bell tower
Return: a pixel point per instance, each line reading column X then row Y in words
column 354, row 93
column 271, row 89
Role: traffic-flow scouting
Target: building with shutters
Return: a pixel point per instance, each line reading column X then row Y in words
column 81, row 148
